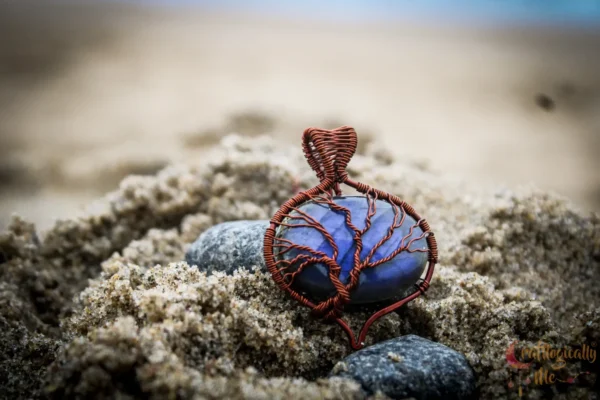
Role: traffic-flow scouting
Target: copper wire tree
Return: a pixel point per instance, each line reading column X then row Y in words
column 328, row 153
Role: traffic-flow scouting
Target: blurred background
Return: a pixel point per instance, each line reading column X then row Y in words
column 495, row 92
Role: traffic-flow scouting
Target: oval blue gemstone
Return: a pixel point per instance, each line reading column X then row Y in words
column 383, row 282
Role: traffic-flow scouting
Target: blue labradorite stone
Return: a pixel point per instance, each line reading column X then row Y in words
column 383, row 282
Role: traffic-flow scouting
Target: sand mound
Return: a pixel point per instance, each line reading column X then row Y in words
column 107, row 304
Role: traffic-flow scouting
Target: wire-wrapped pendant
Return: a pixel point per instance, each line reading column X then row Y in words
column 329, row 251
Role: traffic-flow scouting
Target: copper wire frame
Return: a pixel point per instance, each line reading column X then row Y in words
column 328, row 152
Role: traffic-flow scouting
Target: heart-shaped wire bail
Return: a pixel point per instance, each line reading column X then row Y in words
column 328, row 153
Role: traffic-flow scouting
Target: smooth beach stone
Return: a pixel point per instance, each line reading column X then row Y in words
column 410, row 367
column 229, row 246
column 383, row 282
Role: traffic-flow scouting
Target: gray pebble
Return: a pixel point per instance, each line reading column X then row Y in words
column 410, row 366
column 229, row 246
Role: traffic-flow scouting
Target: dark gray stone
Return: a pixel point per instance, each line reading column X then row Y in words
column 410, row 366
column 229, row 246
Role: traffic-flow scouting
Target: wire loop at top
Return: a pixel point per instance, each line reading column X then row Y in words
column 329, row 151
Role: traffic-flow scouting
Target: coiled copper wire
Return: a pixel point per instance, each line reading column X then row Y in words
column 328, row 153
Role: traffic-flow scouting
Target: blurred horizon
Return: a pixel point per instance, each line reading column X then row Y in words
column 494, row 92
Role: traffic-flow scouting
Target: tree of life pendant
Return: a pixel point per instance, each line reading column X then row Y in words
column 331, row 252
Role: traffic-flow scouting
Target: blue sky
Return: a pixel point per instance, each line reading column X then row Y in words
column 561, row 11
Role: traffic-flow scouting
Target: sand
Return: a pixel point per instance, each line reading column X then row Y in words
column 513, row 266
